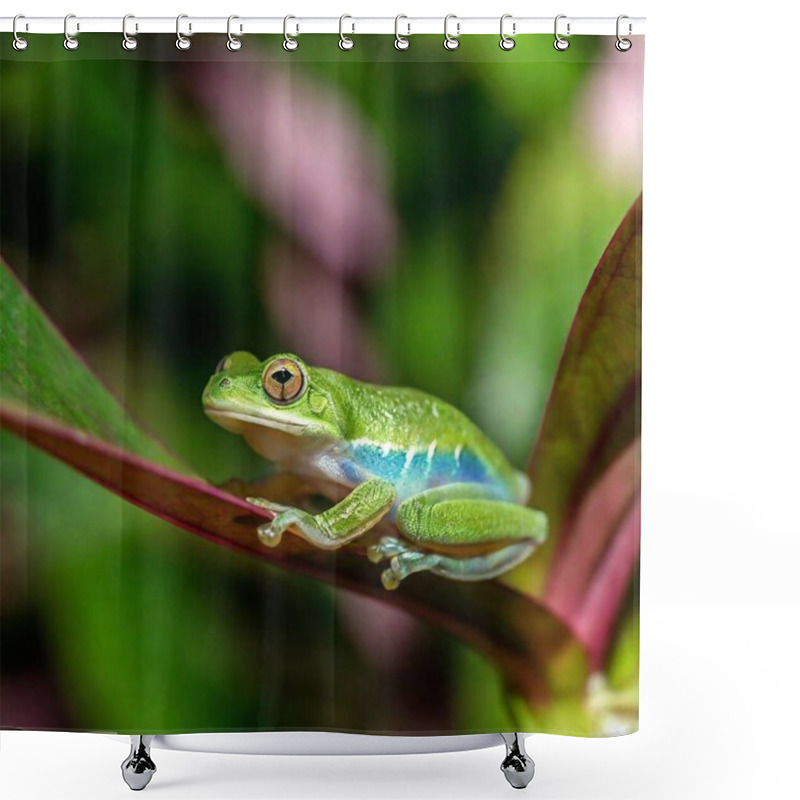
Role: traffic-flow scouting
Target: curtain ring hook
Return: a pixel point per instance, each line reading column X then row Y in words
column 401, row 42
column 182, row 42
column 623, row 45
column 289, row 42
column 128, row 42
column 560, row 43
column 234, row 43
column 70, row 42
column 451, row 42
column 19, row 43
column 506, row 42
column 345, row 42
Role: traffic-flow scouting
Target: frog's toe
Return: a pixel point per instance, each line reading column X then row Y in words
column 268, row 535
column 390, row 579
column 406, row 563
column 387, row 547
column 267, row 504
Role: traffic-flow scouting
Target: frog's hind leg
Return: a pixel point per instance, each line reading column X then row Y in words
column 459, row 514
column 471, row 568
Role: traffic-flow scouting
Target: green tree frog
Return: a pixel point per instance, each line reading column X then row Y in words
column 398, row 453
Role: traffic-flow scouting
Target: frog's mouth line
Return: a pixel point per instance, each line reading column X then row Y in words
column 281, row 424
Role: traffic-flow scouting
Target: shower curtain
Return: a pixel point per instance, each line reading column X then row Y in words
column 213, row 265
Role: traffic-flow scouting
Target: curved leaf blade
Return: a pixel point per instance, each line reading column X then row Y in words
column 40, row 371
column 591, row 572
column 593, row 413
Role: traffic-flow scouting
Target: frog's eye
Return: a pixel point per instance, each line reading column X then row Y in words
column 223, row 365
column 238, row 361
column 283, row 380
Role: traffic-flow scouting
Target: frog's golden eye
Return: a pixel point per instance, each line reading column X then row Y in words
column 283, row 380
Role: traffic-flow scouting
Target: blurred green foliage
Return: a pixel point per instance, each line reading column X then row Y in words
column 120, row 211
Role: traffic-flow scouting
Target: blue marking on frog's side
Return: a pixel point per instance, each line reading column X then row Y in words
column 421, row 471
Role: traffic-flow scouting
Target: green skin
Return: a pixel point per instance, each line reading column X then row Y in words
column 399, row 453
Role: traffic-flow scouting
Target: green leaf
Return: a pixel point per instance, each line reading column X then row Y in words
column 50, row 398
column 40, row 373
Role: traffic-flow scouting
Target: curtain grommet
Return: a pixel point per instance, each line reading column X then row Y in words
column 290, row 43
column 234, row 43
column 507, row 42
column 623, row 45
column 401, row 42
column 70, row 42
column 182, row 42
column 451, row 42
column 128, row 42
column 560, row 43
column 19, row 43
column 345, row 42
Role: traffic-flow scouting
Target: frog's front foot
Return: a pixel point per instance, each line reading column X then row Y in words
column 270, row 533
column 268, row 536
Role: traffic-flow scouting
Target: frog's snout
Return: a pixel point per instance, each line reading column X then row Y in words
column 216, row 387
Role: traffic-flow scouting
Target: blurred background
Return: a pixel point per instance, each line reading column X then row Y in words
column 422, row 218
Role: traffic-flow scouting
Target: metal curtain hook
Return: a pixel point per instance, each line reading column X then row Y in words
column 70, row 42
column 234, row 43
column 560, row 43
column 289, row 42
column 182, row 42
column 128, row 42
column 451, row 42
column 19, row 43
column 400, row 42
column 623, row 45
column 345, row 42
column 506, row 42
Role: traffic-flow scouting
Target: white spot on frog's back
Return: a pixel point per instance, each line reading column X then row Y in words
column 411, row 452
column 431, row 453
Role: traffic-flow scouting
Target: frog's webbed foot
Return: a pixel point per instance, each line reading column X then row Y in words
column 406, row 560
column 387, row 547
column 366, row 504
column 269, row 533
column 404, row 564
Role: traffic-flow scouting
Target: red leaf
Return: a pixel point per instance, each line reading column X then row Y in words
column 600, row 548
column 593, row 412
